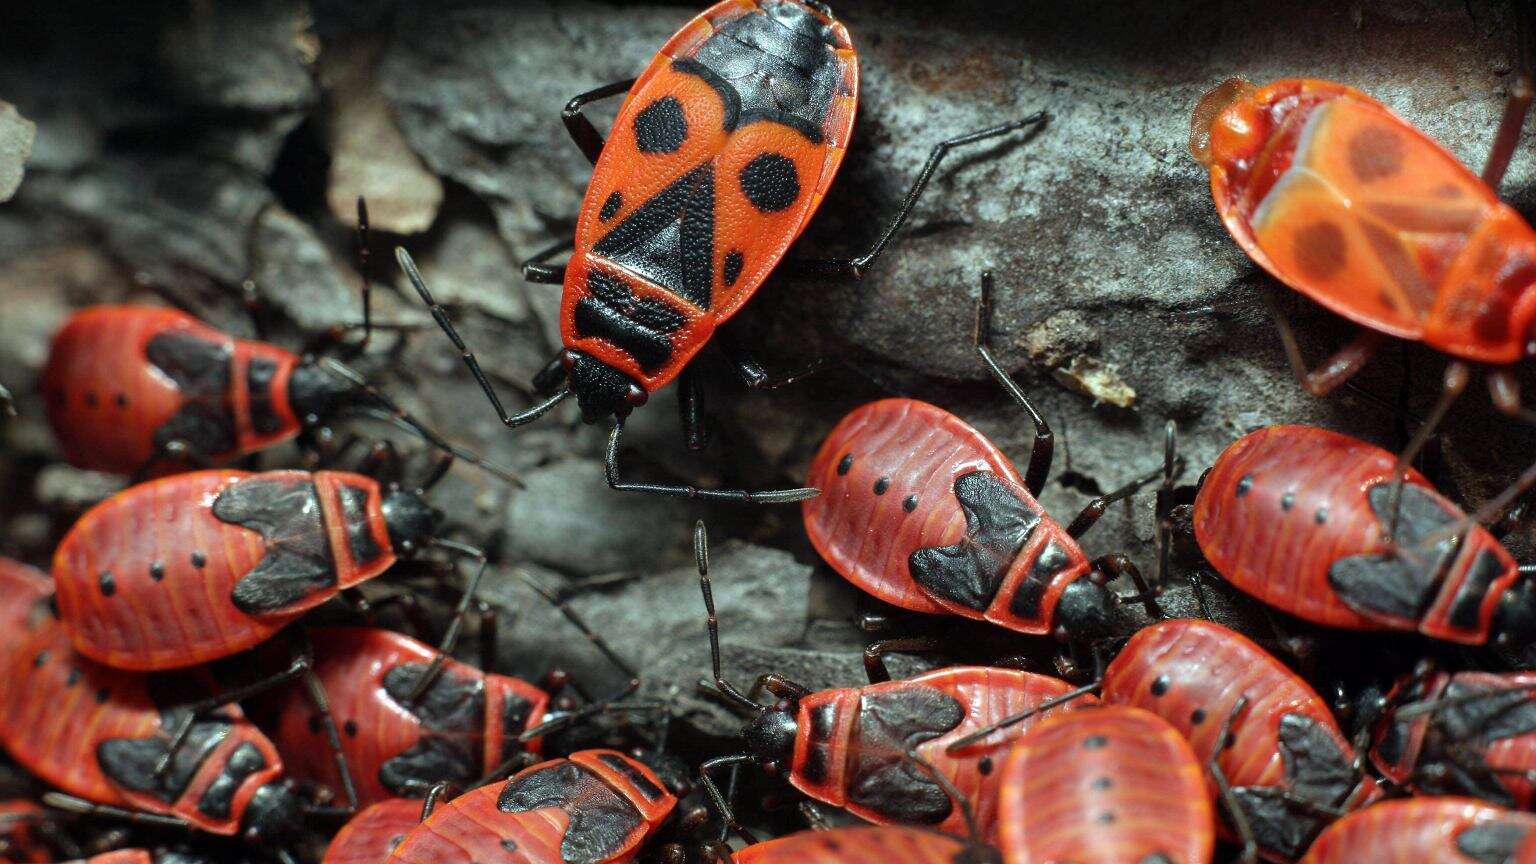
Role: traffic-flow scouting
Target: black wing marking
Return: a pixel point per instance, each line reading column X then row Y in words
column 287, row 514
column 884, row 778
column 997, row 525
column 600, row 818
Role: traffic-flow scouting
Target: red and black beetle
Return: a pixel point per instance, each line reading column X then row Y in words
column 1428, row 831
column 99, row 734
column 133, row 388
column 922, row 511
column 721, row 153
column 372, row 834
column 594, row 807
column 1115, row 785
column 459, row 729
column 885, row 752
column 1302, row 518
column 1461, row 733
column 886, row 844
column 199, row 566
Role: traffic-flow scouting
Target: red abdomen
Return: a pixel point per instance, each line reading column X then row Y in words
column 98, row 733
column 922, row 511
column 1192, row 674
column 715, row 163
column 122, row 381
column 464, row 725
column 1351, row 205
column 24, row 593
column 597, row 806
column 851, row 745
column 1112, row 785
column 1427, row 831
column 199, row 566
column 1297, row 517
column 885, row 844
column 371, row 835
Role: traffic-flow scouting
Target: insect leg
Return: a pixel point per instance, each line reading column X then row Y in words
column 690, row 406
column 874, row 655
column 1044, row 448
column 450, row 638
column 1336, row 369
column 72, row 804
column 752, row 373
column 581, row 129
column 1515, row 107
column 1455, row 383
column 857, row 267
column 490, row 621
column 536, row 271
column 611, row 465
column 314, row 688
column 1116, row 565
column 1229, row 800
column 727, row 815
column 511, row 421
column 1165, row 501
column 1097, row 507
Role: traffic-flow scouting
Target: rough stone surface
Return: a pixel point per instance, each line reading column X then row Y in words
column 191, row 154
column 16, row 136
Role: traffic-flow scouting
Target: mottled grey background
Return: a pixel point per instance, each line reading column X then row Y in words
column 193, row 145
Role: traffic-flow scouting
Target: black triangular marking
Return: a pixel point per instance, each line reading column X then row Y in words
column 200, row 369
column 891, row 723
column 670, row 239
column 287, row 514
column 997, row 524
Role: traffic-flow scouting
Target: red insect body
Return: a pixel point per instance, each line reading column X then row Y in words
column 461, row 728
column 199, row 566
column 1113, row 785
column 372, row 834
column 598, row 806
column 122, row 381
column 97, row 733
column 1428, row 831
column 708, row 176
column 1479, row 739
column 1192, row 673
column 20, row 840
column 24, row 593
column 886, row 844
column 1298, row 517
column 905, row 487
column 121, row 856
column 1344, row 201
column 849, row 747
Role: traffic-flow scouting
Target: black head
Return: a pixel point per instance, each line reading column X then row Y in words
column 315, row 394
column 412, row 523
column 272, row 817
column 1085, row 612
column 601, row 390
column 771, row 737
column 1514, row 621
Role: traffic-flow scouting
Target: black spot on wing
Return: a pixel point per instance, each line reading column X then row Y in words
column 997, row 524
column 884, row 779
column 600, row 819
column 770, row 182
column 660, row 127
column 287, row 514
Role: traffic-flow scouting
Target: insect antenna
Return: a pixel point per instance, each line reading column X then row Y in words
column 451, row 637
column 390, row 411
column 1014, row 719
column 701, row 556
column 967, row 813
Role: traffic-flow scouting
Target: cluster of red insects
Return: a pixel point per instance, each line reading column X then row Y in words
column 722, row 151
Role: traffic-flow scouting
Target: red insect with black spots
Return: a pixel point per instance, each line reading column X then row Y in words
column 1347, row 203
column 1428, row 831
column 1302, row 518
column 462, row 727
column 372, row 834
column 1274, row 753
column 849, row 747
column 99, row 734
column 596, row 807
column 922, row 511
column 25, row 592
column 1461, row 733
column 725, row 146
column 1114, row 785
column 199, row 566
column 134, row 389
column 887, row 844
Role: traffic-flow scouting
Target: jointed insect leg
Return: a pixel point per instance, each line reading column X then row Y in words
column 1115, row 565
column 450, row 638
column 1455, row 383
column 580, row 128
column 874, row 654
column 72, row 804
column 611, row 465
column 536, row 271
column 1098, row 506
column 727, row 815
column 690, row 407
column 1229, row 800
column 1336, row 369
column 1043, row 449
column 1515, row 107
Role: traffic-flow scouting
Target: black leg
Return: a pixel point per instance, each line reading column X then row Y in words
column 1043, row 449
column 874, row 654
column 1165, row 502
column 1515, row 107
column 551, row 377
column 752, row 373
column 1097, row 507
column 1116, row 565
column 582, row 131
column 511, row 421
column 857, row 267
column 172, row 451
column 1229, row 801
column 1336, row 369
column 775, row 496
column 486, row 634
column 727, row 815
column 71, row 804
column 450, row 638
column 1013, row 719
column 540, row 273
column 1454, row 384
column 690, row 406
column 362, row 251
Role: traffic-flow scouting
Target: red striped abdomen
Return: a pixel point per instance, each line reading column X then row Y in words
column 1426, row 831
column 370, row 836
column 470, row 829
column 892, row 476
column 1112, row 785
column 96, row 733
column 885, row 844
